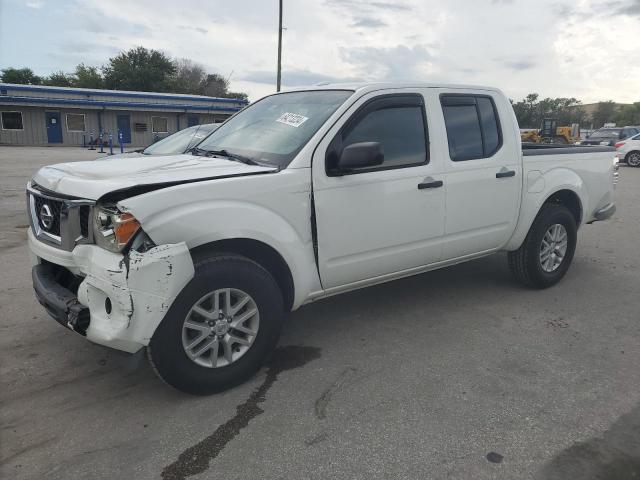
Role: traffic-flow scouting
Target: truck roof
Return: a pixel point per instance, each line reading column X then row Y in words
column 371, row 86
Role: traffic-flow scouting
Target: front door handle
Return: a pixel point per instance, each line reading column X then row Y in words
column 506, row 173
column 430, row 184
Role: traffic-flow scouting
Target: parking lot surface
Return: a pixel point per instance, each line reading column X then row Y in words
column 458, row 373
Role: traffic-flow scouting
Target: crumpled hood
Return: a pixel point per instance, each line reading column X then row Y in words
column 92, row 180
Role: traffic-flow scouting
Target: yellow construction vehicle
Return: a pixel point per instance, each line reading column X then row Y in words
column 550, row 132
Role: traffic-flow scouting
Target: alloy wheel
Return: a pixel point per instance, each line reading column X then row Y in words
column 220, row 327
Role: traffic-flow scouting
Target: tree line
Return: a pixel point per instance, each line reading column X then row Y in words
column 531, row 110
column 138, row 69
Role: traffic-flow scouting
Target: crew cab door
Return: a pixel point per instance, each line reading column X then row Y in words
column 483, row 173
column 380, row 220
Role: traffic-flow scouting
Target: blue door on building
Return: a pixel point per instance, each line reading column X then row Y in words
column 54, row 127
column 192, row 120
column 124, row 126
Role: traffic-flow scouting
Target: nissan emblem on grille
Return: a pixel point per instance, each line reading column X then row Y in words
column 46, row 217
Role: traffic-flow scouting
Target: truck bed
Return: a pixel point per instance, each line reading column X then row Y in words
column 529, row 149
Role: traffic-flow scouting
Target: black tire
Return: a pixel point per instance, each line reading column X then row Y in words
column 525, row 262
column 165, row 351
column 633, row 159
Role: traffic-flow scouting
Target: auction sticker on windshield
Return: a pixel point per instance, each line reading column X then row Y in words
column 292, row 119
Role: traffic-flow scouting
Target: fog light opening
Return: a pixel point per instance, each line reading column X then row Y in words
column 107, row 305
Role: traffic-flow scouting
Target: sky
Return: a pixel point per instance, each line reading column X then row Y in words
column 587, row 49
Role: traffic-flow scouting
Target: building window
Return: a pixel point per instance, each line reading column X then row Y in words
column 160, row 124
column 12, row 121
column 75, row 122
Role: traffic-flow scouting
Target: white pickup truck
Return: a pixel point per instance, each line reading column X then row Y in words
column 301, row 195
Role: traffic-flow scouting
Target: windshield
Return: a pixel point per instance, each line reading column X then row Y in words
column 180, row 141
column 609, row 133
column 274, row 129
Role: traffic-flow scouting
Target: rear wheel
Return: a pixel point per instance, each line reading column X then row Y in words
column 633, row 159
column 221, row 327
column 546, row 253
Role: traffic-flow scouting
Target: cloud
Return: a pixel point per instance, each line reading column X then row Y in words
column 368, row 22
column 192, row 28
column 600, row 39
column 393, row 63
column 563, row 51
column 351, row 4
column 294, row 78
column 519, row 65
column 390, row 6
column 633, row 9
column 35, row 4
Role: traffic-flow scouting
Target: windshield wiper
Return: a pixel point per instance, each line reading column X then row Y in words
column 233, row 156
column 198, row 151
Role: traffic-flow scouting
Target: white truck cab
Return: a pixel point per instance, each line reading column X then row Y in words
column 301, row 195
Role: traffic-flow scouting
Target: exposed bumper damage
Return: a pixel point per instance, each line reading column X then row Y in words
column 127, row 296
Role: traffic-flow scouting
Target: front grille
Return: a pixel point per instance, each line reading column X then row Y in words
column 61, row 221
column 55, row 207
column 85, row 215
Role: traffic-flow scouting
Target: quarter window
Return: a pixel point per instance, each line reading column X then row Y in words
column 473, row 129
column 75, row 122
column 489, row 126
column 12, row 121
column 160, row 124
column 396, row 122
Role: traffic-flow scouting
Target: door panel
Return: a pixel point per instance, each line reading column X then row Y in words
column 124, row 126
column 481, row 209
column 482, row 194
column 54, row 127
column 377, row 222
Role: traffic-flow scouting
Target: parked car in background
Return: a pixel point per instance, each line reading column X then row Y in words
column 181, row 141
column 629, row 151
column 609, row 136
column 174, row 144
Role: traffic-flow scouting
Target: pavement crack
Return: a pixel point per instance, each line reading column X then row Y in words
column 196, row 459
column 321, row 403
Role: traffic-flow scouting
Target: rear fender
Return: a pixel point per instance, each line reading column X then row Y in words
column 537, row 190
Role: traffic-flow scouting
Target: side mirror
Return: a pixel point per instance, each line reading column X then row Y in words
column 361, row 155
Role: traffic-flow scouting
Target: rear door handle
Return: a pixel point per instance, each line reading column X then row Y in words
column 506, row 173
column 430, row 184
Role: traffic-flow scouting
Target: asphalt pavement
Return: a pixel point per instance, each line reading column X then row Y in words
column 458, row 373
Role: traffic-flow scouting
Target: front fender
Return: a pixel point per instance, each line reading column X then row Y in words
column 203, row 222
column 537, row 189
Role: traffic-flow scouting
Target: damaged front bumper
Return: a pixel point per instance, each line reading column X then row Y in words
column 121, row 299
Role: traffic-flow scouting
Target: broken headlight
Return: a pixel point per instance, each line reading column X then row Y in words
column 112, row 228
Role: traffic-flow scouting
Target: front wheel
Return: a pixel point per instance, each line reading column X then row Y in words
column 546, row 253
column 633, row 159
column 220, row 329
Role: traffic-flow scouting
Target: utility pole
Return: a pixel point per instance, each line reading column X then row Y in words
column 279, row 48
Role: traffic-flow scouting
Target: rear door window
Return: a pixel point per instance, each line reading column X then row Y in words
column 473, row 128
